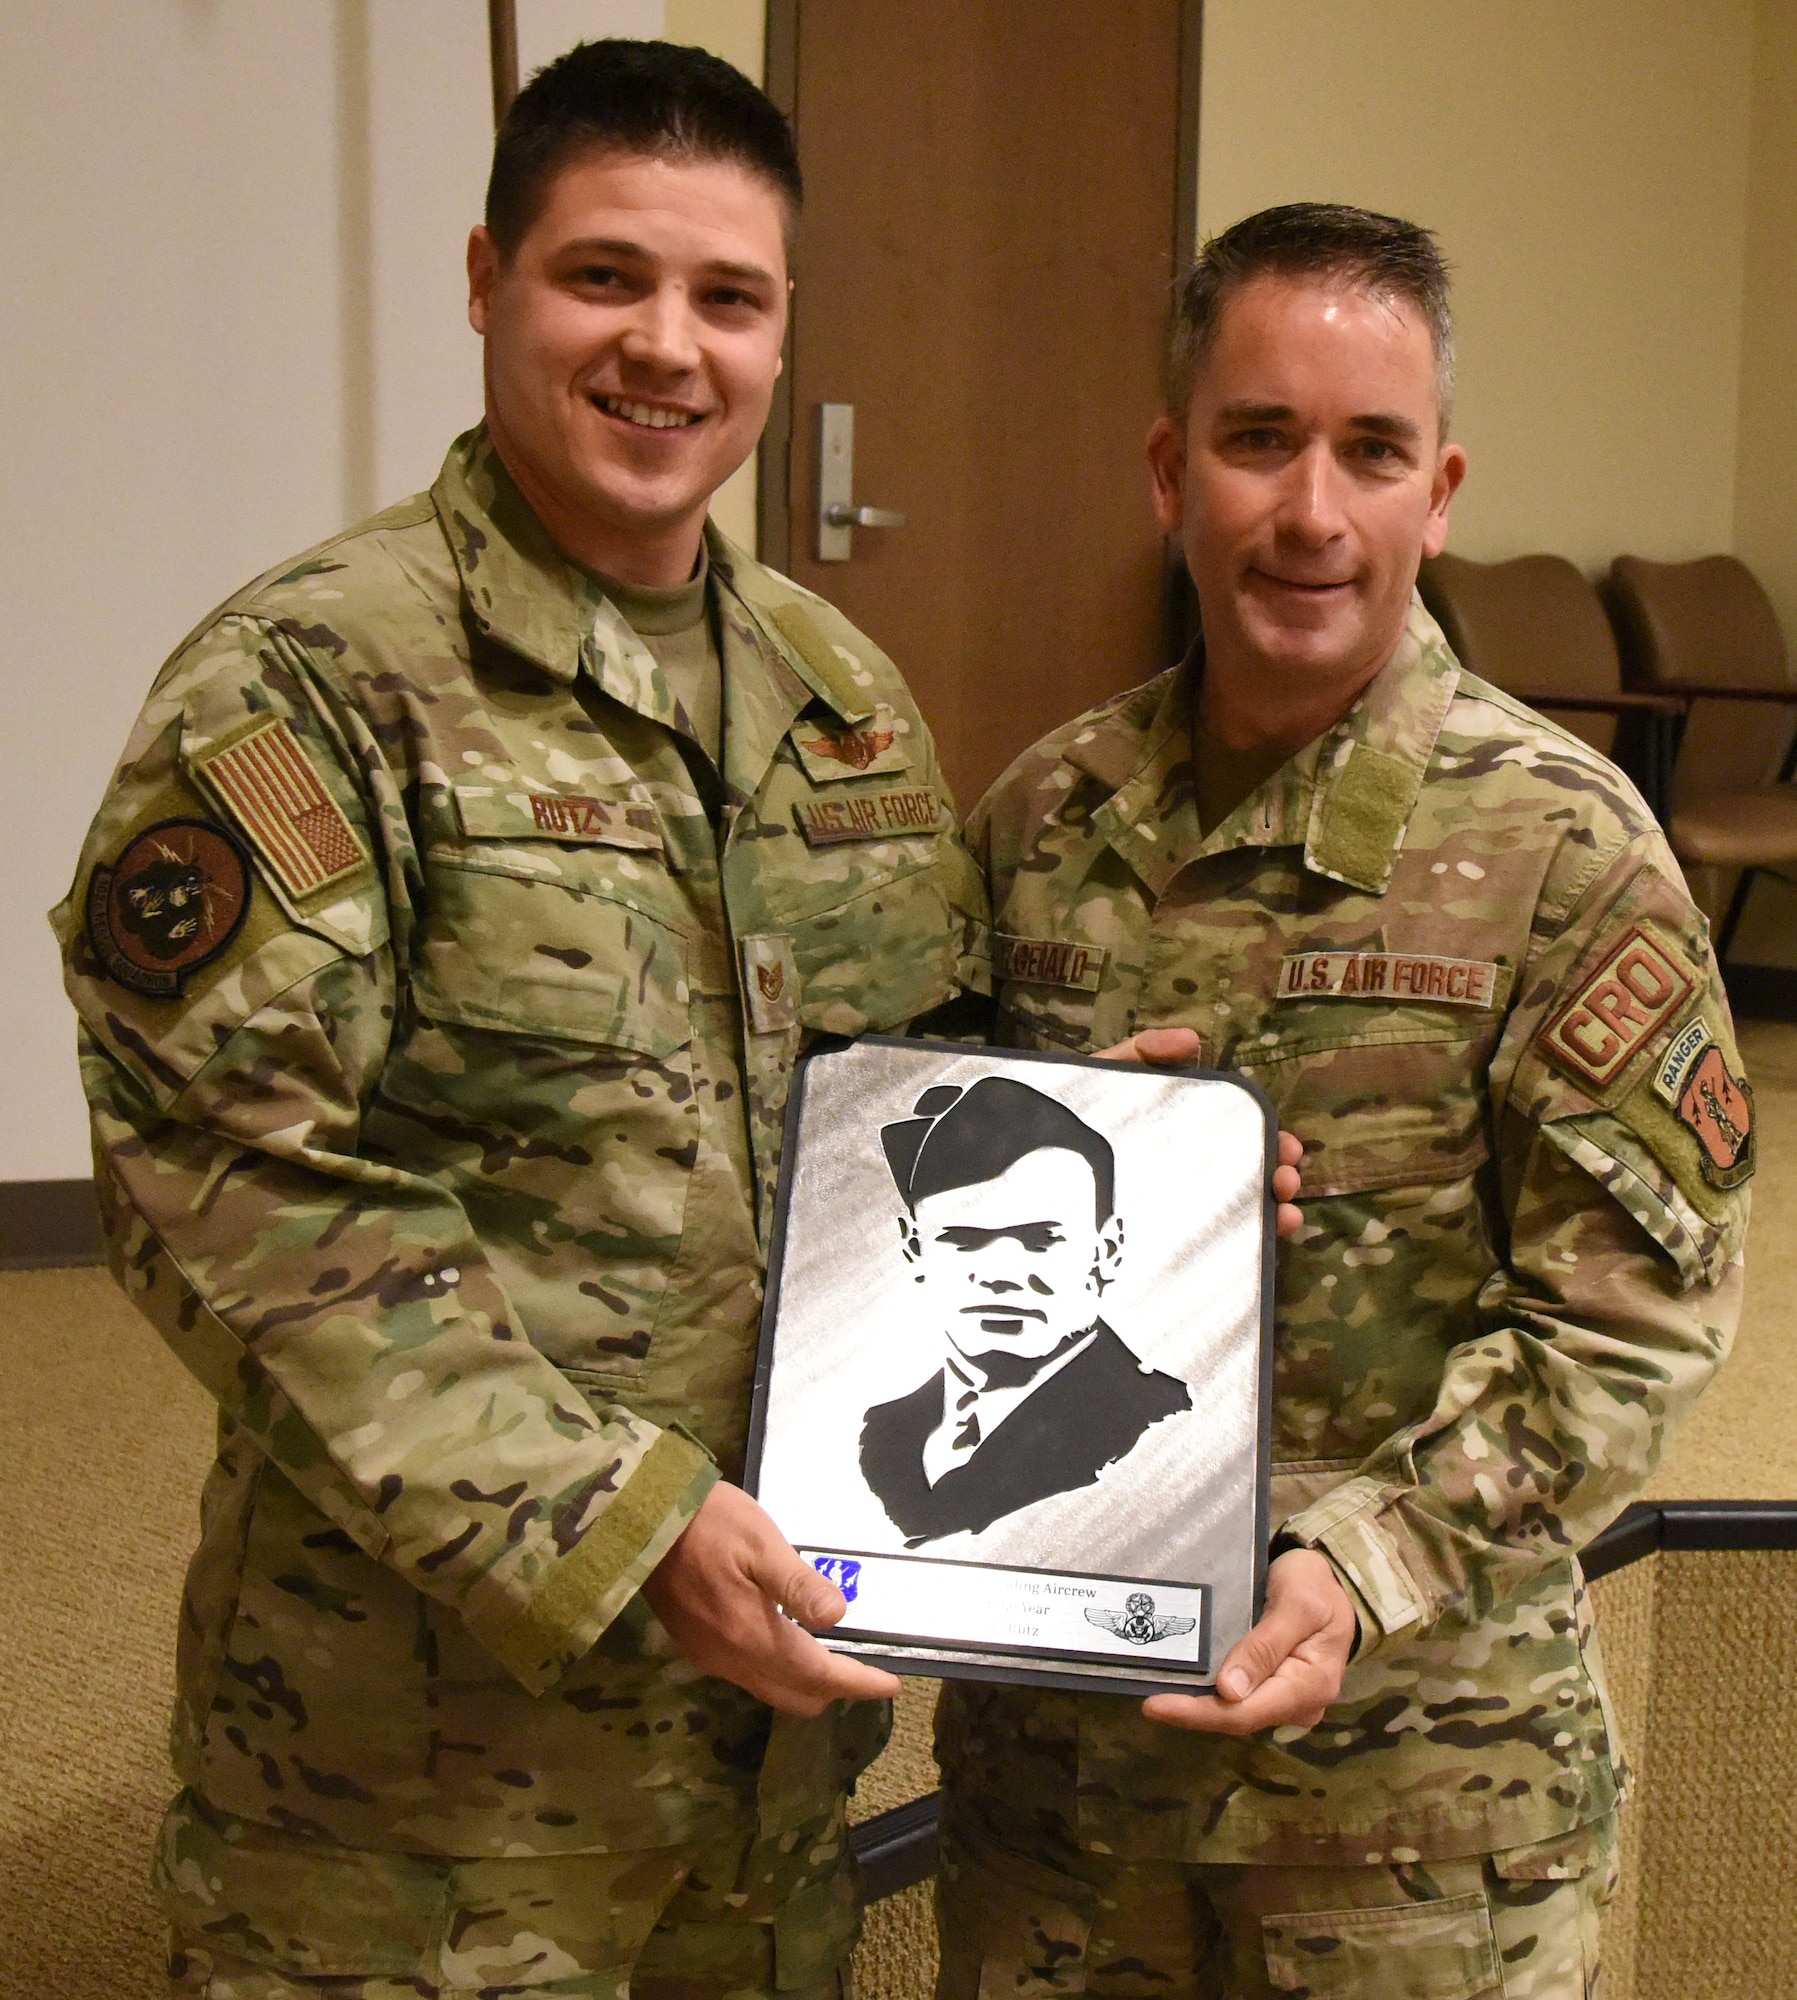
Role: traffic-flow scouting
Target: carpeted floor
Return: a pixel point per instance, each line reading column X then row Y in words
column 105, row 1441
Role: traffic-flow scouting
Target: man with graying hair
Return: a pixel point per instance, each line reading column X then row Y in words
column 1449, row 941
column 442, row 948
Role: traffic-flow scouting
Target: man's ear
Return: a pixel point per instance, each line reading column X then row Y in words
column 1450, row 469
column 1167, row 472
column 483, row 273
column 1109, row 1260
column 910, row 1245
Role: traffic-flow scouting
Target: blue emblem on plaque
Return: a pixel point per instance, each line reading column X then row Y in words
column 846, row 1575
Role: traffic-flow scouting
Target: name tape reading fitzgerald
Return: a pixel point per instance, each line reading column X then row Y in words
column 1387, row 975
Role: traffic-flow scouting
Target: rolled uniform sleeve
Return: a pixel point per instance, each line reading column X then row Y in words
column 1623, row 1194
column 338, row 1307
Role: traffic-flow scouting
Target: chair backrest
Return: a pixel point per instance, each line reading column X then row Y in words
column 1533, row 625
column 1687, row 625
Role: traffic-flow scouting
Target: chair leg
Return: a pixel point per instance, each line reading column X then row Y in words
column 1737, row 904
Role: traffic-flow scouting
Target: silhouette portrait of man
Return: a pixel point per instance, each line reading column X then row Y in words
column 1010, row 1224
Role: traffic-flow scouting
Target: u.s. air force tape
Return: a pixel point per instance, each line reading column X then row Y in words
column 1388, row 975
column 889, row 812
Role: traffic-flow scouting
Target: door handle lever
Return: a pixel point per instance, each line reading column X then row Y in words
column 840, row 514
column 837, row 513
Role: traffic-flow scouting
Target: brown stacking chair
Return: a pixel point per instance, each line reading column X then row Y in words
column 1705, row 633
column 1536, row 628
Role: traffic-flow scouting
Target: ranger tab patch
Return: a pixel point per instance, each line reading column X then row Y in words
column 1619, row 1009
column 1388, row 975
column 1048, row 962
column 171, row 902
column 1710, row 1101
column 274, row 794
column 889, row 814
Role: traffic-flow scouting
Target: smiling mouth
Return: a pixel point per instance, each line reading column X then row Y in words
column 648, row 416
column 1296, row 583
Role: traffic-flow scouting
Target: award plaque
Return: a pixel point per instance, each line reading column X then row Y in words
column 1014, row 1386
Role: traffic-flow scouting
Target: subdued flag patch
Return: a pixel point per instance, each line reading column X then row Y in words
column 268, row 785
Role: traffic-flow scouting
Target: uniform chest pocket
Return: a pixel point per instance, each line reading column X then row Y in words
column 1380, row 1113
column 878, row 960
column 548, row 949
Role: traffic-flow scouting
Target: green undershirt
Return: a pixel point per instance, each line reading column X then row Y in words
column 674, row 623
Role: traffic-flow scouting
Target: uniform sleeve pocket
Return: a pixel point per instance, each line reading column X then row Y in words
column 1447, row 1951
column 535, row 957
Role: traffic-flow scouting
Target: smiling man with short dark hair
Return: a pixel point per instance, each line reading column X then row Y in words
column 1452, row 946
column 443, row 948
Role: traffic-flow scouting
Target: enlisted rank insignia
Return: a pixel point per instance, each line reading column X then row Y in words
column 1710, row 1101
column 172, row 901
column 1048, row 962
column 887, row 814
column 1619, row 1009
column 274, row 794
column 770, row 982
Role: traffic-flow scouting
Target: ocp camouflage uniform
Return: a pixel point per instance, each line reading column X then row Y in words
column 1450, row 944
column 438, row 1001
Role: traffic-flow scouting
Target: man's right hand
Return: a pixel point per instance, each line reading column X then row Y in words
column 728, row 1592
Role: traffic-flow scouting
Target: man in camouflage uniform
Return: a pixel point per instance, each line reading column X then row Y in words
column 1449, row 942
column 442, row 950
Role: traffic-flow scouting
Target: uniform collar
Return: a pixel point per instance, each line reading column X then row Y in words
column 1346, row 797
column 525, row 594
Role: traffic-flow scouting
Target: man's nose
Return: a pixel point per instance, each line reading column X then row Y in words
column 1312, row 510
column 988, row 1284
column 662, row 333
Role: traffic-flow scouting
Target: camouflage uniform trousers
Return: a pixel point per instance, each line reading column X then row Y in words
column 1016, row 1924
column 258, row 1913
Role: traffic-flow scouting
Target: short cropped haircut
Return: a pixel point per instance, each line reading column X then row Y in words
column 634, row 97
column 1389, row 259
column 959, row 1138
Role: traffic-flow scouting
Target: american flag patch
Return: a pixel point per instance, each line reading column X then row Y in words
column 268, row 784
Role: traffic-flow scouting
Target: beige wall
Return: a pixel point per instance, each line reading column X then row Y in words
column 234, row 321
column 1766, row 471
column 1586, row 169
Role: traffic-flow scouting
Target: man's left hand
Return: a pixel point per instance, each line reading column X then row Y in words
column 1288, row 1669
column 1181, row 1045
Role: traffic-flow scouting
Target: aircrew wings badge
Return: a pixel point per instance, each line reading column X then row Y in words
column 1623, row 1006
column 267, row 783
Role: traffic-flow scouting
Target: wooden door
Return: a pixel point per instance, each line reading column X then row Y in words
column 993, row 193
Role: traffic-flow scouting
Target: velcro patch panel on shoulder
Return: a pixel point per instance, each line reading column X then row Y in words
column 266, row 782
column 1397, row 976
column 1048, row 962
column 493, row 812
column 873, row 750
column 1619, row 1010
column 888, row 812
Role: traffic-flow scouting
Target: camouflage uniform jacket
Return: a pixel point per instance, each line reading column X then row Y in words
column 437, row 1036
column 1451, row 945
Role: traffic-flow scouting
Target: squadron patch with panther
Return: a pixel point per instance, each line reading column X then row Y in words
column 172, row 901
